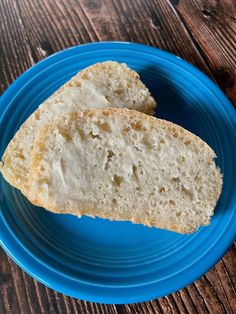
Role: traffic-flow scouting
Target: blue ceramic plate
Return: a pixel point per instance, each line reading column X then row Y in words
column 118, row 262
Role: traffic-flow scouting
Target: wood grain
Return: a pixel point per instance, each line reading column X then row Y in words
column 213, row 23
column 202, row 32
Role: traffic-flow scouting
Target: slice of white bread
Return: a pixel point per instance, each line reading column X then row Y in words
column 107, row 84
column 125, row 165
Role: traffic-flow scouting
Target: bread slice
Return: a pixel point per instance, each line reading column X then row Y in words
column 106, row 84
column 124, row 165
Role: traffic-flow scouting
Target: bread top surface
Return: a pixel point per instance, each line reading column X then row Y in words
column 124, row 165
column 102, row 85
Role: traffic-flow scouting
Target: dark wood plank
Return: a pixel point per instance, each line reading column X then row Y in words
column 213, row 24
column 202, row 32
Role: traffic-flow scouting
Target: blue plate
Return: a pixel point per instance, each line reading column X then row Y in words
column 118, row 262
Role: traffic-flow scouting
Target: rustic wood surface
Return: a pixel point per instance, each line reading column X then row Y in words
column 200, row 31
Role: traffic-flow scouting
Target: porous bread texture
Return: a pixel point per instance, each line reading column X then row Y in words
column 106, row 84
column 124, row 165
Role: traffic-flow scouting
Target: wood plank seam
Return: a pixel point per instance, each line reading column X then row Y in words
column 194, row 40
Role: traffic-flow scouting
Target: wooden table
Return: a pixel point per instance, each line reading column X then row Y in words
column 202, row 32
